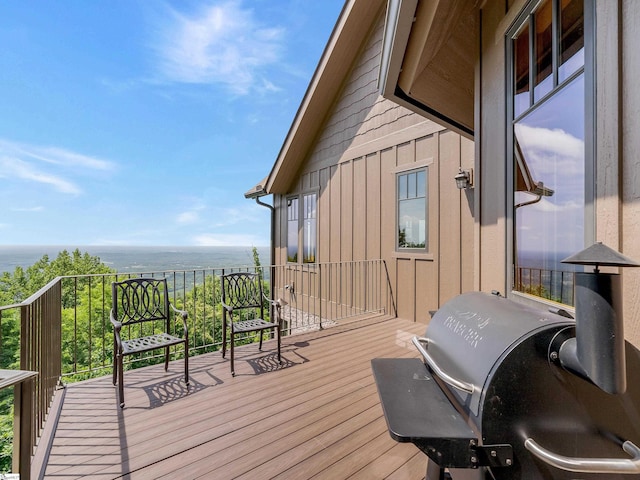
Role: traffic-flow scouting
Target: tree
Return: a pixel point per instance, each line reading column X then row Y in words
column 16, row 287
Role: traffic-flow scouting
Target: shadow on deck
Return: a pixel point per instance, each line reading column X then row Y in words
column 316, row 416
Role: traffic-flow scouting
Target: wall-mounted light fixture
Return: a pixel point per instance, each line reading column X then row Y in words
column 464, row 179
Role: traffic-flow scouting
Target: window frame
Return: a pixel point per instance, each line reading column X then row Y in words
column 588, row 70
column 290, row 199
column 300, row 236
column 397, row 175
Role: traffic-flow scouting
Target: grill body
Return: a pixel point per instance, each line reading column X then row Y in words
column 513, row 389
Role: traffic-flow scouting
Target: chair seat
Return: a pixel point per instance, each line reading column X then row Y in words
column 252, row 325
column 150, row 342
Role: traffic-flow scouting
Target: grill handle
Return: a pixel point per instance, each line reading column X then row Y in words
column 589, row 465
column 445, row 377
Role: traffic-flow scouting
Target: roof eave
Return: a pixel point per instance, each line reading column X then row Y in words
column 257, row 191
column 406, row 44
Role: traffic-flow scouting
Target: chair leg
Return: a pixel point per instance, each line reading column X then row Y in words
column 279, row 342
column 115, row 362
column 224, row 337
column 186, row 363
column 186, row 359
column 166, row 359
column 261, row 333
column 233, row 372
column 120, row 380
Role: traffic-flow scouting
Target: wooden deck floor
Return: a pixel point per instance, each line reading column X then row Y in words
column 317, row 416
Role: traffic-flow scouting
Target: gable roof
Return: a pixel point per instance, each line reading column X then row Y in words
column 354, row 24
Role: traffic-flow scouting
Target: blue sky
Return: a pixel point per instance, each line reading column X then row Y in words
column 143, row 122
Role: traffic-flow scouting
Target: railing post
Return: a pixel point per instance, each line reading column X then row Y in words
column 23, row 398
column 320, row 293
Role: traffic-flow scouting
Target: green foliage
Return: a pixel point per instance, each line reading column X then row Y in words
column 6, row 429
column 16, row 287
column 256, row 257
column 203, row 302
column 87, row 338
column 540, row 290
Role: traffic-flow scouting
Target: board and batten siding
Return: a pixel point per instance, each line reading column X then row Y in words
column 365, row 142
column 625, row 38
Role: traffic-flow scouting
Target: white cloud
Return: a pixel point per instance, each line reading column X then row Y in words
column 556, row 140
column 47, row 165
column 188, row 217
column 569, row 208
column 14, row 167
column 54, row 155
column 222, row 43
column 539, row 143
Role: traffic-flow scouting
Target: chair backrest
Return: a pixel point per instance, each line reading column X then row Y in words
column 139, row 300
column 242, row 290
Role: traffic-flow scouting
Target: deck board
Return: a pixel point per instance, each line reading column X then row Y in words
column 317, row 416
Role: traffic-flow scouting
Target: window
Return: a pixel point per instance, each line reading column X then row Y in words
column 309, row 231
column 292, row 230
column 412, row 210
column 550, row 162
column 302, row 225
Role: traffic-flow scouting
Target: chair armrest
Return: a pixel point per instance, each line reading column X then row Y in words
column 183, row 314
column 278, row 304
column 116, row 324
column 228, row 308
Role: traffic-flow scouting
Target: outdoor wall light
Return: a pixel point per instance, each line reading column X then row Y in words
column 464, row 179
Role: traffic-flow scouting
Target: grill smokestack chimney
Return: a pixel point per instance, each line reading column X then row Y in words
column 597, row 353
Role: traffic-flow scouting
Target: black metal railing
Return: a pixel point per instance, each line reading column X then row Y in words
column 65, row 332
column 555, row 285
column 319, row 295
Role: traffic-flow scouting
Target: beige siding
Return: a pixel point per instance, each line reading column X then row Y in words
column 359, row 210
column 450, row 247
column 335, row 233
column 366, row 141
column 324, row 216
column 357, row 218
column 630, row 180
column 492, row 166
column 346, row 213
column 373, row 206
column 468, row 221
column 360, row 115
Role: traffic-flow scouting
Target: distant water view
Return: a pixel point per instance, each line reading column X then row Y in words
column 138, row 259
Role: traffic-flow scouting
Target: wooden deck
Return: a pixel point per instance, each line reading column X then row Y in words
column 317, row 416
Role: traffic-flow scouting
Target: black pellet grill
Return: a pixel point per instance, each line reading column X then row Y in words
column 507, row 391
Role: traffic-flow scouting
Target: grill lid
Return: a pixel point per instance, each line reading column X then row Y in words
column 469, row 335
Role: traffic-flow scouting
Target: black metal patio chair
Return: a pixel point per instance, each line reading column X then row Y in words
column 243, row 309
column 141, row 318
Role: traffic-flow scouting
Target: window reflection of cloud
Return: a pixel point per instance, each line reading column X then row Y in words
column 556, row 158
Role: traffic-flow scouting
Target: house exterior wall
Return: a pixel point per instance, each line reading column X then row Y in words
column 627, row 15
column 616, row 145
column 491, row 134
column 366, row 140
